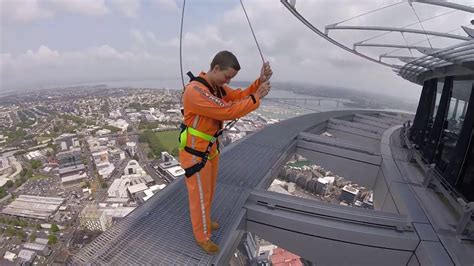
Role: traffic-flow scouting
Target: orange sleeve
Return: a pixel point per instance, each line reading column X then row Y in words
column 237, row 94
column 199, row 101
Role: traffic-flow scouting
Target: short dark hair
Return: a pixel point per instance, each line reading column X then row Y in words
column 225, row 59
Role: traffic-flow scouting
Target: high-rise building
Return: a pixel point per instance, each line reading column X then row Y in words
column 93, row 218
column 349, row 194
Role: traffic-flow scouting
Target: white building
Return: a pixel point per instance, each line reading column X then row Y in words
column 134, row 191
column 133, row 175
column 73, row 180
column 3, row 139
column 26, row 256
column 40, row 248
column 35, row 155
column 324, row 184
column 102, row 163
column 119, row 123
column 133, row 168
column 102, row 132
column 5, row 166
column 152, row 191
column 35, row 207
column 10, row 256
column 175, row 171
column 115, row 114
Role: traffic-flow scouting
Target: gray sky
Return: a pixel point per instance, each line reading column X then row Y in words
column 62, row 42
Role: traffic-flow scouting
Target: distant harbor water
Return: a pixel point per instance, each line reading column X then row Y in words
column 282, row 104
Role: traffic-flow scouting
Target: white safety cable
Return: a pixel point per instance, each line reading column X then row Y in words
column 411, row 24
column 431, row 38
column 421, row 24
column 406, row 42
column 181, row 45
column 369, row 12
column 253, row 33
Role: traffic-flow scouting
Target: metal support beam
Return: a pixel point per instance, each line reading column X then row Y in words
column 447, row 4
column 377, row 28
column 383, row 45
column 469, row 31
column 404, row 59
column 318, row 230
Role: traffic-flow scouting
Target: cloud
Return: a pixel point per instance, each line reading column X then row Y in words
column 170, row 5
column 137, row 36
column 51, row 67
column 27, row 11
column 23, row 11
column 129, row 8
column 83, row 7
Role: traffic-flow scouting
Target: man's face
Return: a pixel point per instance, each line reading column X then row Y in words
column 223, row 76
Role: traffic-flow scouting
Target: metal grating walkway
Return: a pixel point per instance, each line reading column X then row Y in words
column 159, row 232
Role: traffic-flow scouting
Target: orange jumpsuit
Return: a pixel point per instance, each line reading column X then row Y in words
column 205, row 112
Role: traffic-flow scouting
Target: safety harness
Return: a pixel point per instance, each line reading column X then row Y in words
column 204, row 155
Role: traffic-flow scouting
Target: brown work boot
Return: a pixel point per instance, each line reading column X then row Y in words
column 208, row 246
column 214, row 226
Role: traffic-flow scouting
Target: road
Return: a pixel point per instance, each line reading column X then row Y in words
column 142, row 157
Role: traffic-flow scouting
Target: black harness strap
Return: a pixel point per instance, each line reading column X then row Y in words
column 220, row 93
column 204, row 155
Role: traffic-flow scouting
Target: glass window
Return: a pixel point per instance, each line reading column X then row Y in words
column 466, row 187
column 453, row 123
column 433, row 111
column 439, row 90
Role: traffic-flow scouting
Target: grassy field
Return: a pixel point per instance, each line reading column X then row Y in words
column 169, row 139
column 300, row 163
column 41, row 139
column 38, row 177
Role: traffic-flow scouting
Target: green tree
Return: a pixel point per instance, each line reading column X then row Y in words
column 38, row 227
column 11, row 231
column 9, row 184
column 21, row 234
column 150, row 155
column 33, row 237
column 52, row 239
column 35, row 164
column 54, row 228
column 16, row 222
column 23, row 223
column 113, row 129
column 3, row 192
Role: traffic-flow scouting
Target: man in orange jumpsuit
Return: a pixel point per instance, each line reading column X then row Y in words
column 206, row 106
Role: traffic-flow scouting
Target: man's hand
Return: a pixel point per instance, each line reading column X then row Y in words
column 263, row 89
column 266, row 72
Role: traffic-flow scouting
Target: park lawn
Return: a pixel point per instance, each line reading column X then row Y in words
column 169, row 139
column 300, row 163
column 41, row 139
column 38, row 177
